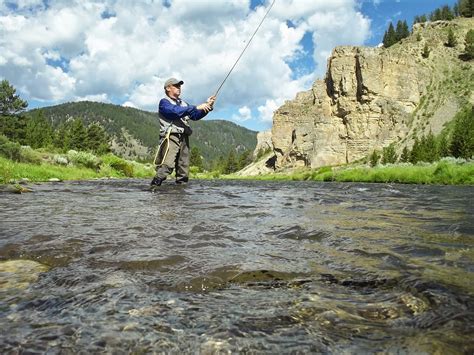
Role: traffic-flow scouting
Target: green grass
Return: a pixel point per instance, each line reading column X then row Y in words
column 10, row 170
column 443, row 172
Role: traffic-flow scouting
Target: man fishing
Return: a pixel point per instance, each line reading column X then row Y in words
column 174, row 114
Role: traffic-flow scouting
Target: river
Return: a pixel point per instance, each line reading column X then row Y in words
column 237, row 266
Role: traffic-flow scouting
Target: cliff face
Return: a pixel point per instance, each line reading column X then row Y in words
column 372, row 97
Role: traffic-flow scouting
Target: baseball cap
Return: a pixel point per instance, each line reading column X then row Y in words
column 173, row 81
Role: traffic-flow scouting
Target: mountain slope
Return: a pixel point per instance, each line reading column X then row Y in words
column 135, row 133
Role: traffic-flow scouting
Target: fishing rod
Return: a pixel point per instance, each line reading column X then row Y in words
column 243, row 51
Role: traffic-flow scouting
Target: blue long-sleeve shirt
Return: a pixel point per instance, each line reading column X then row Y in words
column 176, row 112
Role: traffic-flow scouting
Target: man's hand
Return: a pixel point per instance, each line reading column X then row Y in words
column 206, row 107
column 211, row 100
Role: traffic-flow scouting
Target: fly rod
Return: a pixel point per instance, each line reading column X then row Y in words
column 243, row 51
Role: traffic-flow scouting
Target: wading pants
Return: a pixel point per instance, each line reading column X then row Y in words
column 177, row 157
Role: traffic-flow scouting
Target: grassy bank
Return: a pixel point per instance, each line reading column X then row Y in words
column 107, row 166
column 448, row 171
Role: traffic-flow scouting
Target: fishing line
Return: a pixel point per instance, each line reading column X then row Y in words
column 243, row 51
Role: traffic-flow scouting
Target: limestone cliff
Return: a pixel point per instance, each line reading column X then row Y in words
column 372, row 97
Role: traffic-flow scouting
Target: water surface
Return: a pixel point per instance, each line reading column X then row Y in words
column 219, row 266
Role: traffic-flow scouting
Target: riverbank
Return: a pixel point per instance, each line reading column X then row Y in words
column 447, row 171
column 109, row 167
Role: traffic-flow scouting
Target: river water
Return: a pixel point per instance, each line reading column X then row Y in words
column 236, row 266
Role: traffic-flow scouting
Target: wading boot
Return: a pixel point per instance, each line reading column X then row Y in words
column 155, row 183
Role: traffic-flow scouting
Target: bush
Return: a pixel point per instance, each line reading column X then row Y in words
column 9, row 149
column 119, row 164
column 85, row 159
column 28, row 155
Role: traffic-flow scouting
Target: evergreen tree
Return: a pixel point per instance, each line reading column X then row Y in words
column 389, row 155
column 469, row 45
column 423, row 18
column 231, row 163
column 97, row 139
column 374, row 158
column 456, row 10
column 462, row 141
column 77, row 135
column 415, row 152
column 405, row 157
column 442, row 146
column 390, row 37
column 10, row 103
column 436, row 15
column 451, row 38
column 466, row 8
column 12, row 122
column 196, row 158
column 430, row 149
column 245, row 158
column 446, row 13
column 39, row 132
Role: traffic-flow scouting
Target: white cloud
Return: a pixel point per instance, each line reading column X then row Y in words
column 125, row 50
column 245, row 114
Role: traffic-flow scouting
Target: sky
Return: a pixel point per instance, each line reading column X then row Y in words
column 122, row 51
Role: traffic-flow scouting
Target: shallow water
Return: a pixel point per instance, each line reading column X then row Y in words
column 232, row 266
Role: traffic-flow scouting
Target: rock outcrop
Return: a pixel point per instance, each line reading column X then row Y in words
column 372, row 97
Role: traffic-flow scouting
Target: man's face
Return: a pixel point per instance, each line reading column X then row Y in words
column 174, row 91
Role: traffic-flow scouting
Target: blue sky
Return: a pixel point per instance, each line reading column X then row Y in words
column 122, row 51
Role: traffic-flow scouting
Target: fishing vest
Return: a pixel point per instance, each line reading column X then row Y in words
column 175, row 126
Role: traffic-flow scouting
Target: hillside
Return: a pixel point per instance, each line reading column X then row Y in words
column 374, row 97
column 135, row 132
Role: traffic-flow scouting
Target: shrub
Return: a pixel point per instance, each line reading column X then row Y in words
column 119, row 164
column 9, row 149
column 28, row 155
column 85, row 159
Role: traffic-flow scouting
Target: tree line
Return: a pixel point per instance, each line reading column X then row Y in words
column 457, row 142
column 463, row 8
column 36, row 131
column 224, row 164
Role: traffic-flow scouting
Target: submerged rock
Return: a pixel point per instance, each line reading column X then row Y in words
column 19, row 274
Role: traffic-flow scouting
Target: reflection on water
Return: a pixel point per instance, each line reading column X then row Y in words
column 220, row 266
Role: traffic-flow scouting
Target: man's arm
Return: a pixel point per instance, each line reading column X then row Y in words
column 175, row 112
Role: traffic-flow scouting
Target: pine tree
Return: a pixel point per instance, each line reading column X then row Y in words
column 423, row 18
column 12, row 122
column 405, row 157
column 456, row 10
column 462, row 140
column 389, row 155
column 196, row 158
column 415, row 152
column 78, row 135
column 231, row 163
column 39, row 132
column 466, row 8
column 469, row 45
column 374, row 158
column 245, row 158
column 96, row 139
column 451, row 39
column 430, row 149
column 390, row 37
column 446, row 13
column 442, row 146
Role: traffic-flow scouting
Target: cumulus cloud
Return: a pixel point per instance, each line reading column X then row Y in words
column 62, row 50
column 245, row 114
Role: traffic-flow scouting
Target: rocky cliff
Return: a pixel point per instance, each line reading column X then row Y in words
column 372, row 97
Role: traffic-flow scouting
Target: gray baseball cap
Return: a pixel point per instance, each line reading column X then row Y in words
column 173, row 81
